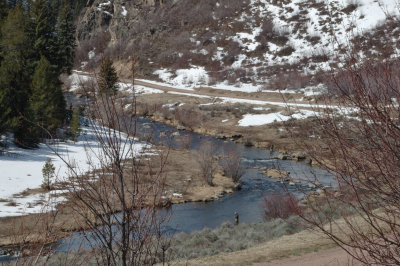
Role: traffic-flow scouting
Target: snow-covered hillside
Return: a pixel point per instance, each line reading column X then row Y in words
column 278, row 37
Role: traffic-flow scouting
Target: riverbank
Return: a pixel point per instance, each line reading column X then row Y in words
column 216, row 118
column 183, row 183
column 271, row 252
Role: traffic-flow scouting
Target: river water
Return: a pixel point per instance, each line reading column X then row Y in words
column 247, row 202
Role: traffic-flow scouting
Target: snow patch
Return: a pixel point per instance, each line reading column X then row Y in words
column 124, row 11
column 184, row 78
column 264, row 119
column 22, row 170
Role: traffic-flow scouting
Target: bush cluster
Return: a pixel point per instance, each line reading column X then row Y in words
column 229, row 238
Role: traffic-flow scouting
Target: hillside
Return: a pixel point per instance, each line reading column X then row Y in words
column 252, row 44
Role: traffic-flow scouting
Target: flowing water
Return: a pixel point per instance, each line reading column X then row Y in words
column 247, row 202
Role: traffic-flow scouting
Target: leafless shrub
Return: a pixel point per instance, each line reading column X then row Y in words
column 207, row 162
column 238, row 74
column 232, row 166
column 32, row 237
column 362, row 154
column 117, row 49
column 269, row 33
column 351, row 6
column 233, row 50
column 229, row 8
column 101, row 40
column 166, row 58
column 200, row 59
column 188, row 117
column 147, row 109
column 313, row 39
column 290, row 80
column 280, row 205
column 182, row 40
column 117, row 199
column 286, row 51
column 81, row 53
column 183, row 61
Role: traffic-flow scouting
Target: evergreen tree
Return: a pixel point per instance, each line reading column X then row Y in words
column 14, row 37
column 48, row 172
column 44, row 35
column 77, row 5
column 108, row 77
column 13, row 94
column 3, row 10
column 3, row 15
column 65, row 40
column 15, row 76
column 47, row 100
column 30, row 91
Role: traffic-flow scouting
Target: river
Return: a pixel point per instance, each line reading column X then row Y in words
column 247, row 202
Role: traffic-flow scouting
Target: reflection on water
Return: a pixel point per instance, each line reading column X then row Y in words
column 247, row 202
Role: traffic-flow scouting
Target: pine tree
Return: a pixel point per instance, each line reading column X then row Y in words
column 15, row 76
column 77, row 5
column 3, row 10
column 108, row 77
column 47, row 100
column 14, row 33
column 44, row 35
column 3, row 16
column 48, row 172
column 65, row 40
column 13, row 94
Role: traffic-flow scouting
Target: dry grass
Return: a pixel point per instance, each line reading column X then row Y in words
column 229, row 238
column 283, row 247
column 181, row 168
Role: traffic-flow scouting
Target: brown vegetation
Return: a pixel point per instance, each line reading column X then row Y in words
column 280, row 205
column 363, row 155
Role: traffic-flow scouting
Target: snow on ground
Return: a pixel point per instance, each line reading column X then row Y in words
column 366, row 16
column 263, row 119
column 91, row 54
column 146, row 90
column 248, row 40
column 188, row 79
column 127, row 87
column 243, row 87
column 315, row 31
column 35, row 203
column 22, row 169
column 77, row 79
column 248, row 87
column 190, row 94
column 124, row 11
column 105, row 4
column 314, row 90
column 261, row 102
column 184, row 78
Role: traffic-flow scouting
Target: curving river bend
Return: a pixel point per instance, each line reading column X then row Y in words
column 247, row 202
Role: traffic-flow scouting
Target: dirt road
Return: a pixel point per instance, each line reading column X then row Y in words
column 330, row 257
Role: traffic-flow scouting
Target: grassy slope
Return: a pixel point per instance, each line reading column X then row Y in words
column 283, row 247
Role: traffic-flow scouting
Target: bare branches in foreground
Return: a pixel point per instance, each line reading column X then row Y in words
column 357, row 139
column 117, row 199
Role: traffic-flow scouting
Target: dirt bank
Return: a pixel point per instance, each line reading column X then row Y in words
column 183, row 183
